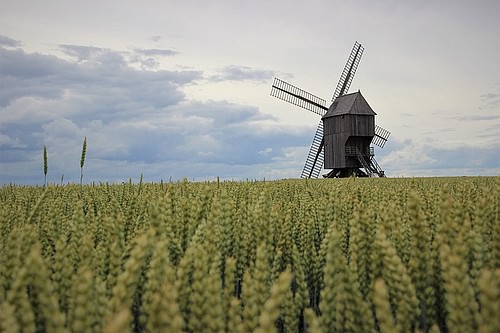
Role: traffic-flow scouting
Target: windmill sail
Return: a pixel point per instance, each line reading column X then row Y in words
column 349, row 70
column 315, row 157
column 381, row 136
column 296, row 96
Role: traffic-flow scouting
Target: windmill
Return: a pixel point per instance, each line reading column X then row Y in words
column 347, row 129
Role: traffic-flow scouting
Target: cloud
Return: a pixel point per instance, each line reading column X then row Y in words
column 242, row 73
column 489, row 96
column 156, row 52
column 84, row 53
column 490, row 101
column 136, row 121
column 9, row 42
column 16, row 63
column 478, row 117
column 99, row 74
column 7, row 141
column 433, row 158
column 145, row 58
column 140, row 119
column 30, row 75
column 149, row 59
column 266, row 151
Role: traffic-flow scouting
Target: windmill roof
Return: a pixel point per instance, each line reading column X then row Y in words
column 353, row 103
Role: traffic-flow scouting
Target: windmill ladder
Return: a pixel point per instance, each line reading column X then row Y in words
column 371, row 166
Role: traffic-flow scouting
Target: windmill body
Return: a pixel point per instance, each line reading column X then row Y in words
column 346, row 130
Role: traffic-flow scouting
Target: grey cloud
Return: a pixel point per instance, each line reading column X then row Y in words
column 242, row 73
column 133, row 119
column 488, row 96
column 106, row 81
column 149, row 58
column 92, row 55
column 222, row 113
column 156, row 52
column 82, row 52
column 17, row 63
column 414, row 158
column 96, row 57
column 8, row 141
column 193, row 137
column 9, row 42
column 490, row 102
column 39, row 89
column 214, row 132
column 478, row 117
column 465, row 157
column 34, row 75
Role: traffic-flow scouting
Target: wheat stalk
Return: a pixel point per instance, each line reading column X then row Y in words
column 45, row 166
column 82, row 159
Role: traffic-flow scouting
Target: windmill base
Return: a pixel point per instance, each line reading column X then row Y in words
column 345, row 173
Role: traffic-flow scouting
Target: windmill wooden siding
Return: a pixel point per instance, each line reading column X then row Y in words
column 349, row 122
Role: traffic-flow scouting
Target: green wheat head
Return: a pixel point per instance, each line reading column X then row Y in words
column 84, row 151
column 45, row 165
column 82, row 158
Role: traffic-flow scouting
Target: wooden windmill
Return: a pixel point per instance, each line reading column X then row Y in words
column 346, row 130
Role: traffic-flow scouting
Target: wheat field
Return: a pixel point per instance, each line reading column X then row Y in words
column 329, row 255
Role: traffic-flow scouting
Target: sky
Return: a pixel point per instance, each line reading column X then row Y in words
column 172, row 89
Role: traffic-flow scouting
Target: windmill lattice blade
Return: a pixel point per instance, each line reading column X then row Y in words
column 290, row 93
column 381, row 136
column 349, row 71
column 315, row 158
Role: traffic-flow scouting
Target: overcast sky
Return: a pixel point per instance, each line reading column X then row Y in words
column 172, row 89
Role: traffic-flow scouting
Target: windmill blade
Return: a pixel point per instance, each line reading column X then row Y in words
column 381, row 136
column 315, row 158
column 349, row 71
column 291, row 94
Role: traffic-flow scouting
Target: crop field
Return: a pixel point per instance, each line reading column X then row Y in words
column 329, row 255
